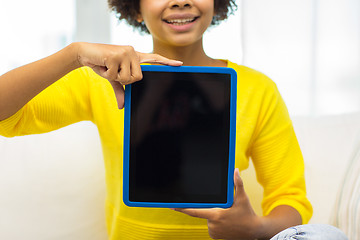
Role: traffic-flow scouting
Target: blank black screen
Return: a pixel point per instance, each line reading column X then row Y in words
column 179, row 137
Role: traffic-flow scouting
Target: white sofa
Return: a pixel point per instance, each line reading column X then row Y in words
column 52, row 185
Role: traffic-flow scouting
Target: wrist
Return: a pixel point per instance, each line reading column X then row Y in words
column 260, row 228
column 73, row 51
column 280, row 218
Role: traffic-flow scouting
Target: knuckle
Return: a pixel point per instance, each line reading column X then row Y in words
column 113, row 77
column 126, row 50
column 117, row 54
column 123, row 81
column 217, row 217
column 137, row 76
column 130, row 48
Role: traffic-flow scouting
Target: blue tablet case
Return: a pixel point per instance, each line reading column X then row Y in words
column 179, row 138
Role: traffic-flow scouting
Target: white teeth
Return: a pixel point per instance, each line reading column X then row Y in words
column 180, row 21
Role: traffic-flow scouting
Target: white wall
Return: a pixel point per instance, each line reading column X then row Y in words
column 310, row 48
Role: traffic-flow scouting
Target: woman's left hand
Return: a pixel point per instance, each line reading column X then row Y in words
column 237, row 222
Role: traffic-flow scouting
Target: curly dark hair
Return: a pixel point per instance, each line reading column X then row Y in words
column 129, row 9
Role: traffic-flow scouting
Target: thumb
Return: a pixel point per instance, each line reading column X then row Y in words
column 119, row 93
column 239, row 185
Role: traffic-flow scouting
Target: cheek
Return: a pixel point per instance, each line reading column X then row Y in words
column 151, row 11
column 209, row 17
column 151, row 23
column 209, row 10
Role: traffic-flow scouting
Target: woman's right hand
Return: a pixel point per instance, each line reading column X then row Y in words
column 120, row 65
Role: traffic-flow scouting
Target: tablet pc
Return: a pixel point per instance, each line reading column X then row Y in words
column 179, row 138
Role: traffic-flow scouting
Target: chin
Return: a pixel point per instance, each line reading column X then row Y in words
column 184, row 42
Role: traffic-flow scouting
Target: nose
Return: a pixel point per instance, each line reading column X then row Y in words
column 181, row 4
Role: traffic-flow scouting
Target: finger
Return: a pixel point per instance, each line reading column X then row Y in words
column 112, row 72
column 125, row 73
column 156, row 58
column 136, row 73
column 100, row 70
column 119, row 93
column 199, row 213
column 239, row 185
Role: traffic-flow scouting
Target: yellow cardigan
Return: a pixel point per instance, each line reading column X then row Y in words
column 264, row 133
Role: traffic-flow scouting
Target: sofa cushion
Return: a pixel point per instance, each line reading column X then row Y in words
column 326, row 143
column 52, row 186
column 347, row 208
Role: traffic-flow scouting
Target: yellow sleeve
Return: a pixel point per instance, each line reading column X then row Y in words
column 277, row 156
column 61, row 104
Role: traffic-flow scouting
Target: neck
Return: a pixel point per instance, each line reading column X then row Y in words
column 192, row 55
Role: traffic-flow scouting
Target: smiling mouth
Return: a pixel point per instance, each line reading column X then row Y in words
column 178, row 22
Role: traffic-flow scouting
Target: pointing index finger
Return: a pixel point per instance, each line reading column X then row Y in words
column 156, row 58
